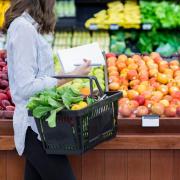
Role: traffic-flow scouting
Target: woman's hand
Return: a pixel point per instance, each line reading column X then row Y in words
column 84, row 69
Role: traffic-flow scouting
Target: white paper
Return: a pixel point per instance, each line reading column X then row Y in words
column 72, row 56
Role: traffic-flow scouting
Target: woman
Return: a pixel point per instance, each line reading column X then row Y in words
column 30, row 68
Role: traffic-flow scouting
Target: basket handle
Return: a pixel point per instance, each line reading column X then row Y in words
column 91, row 78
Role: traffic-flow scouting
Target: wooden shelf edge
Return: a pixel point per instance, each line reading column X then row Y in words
column 120, row 142
column 142, row 142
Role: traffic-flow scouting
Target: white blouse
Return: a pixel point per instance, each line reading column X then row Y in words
column 30, row 67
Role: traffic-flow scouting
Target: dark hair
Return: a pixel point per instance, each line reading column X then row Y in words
column 42, row 11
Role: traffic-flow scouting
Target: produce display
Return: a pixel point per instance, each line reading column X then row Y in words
column 4, row 5
column 123, row 15
column 150, row 85
column 65, row 8
column 129, row 42
column 6, row 104
column 98, row 72
column 49, row 102
column 166, row 43
column 103, row 38
column 80, row 38
column 68, row 39
column 124, row 42
column 62, row 40
column 163, row 14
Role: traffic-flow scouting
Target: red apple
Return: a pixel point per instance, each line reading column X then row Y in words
column 108, row 55
column 140, row 99
column 157, row 108
column 170, row 111
column 141, row 111
column 125, row 110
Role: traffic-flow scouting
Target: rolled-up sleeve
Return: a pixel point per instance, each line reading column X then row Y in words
column 25, row 63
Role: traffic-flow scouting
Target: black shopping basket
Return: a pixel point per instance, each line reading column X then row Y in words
column 81, row 130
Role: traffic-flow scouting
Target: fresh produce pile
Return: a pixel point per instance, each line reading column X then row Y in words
column 62, row 40
column 6, row 104
column 65, row 8
column 123, row 15
column 163, row 14
column 103, row 38
column 80, row 38
column 124, row 42
column 129, row 42
column 68, row 39
column 150, row 85
column 48, row 103
column 98, row 72
column 166, row 43
column 4, row 5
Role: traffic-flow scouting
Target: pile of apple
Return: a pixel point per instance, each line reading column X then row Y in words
column 6, row 104
column 150, row 85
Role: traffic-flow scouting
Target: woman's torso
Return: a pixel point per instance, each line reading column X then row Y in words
column 44, row 67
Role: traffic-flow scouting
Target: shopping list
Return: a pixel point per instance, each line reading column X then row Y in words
column 72, row 57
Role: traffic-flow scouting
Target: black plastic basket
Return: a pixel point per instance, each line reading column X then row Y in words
column 81, row 130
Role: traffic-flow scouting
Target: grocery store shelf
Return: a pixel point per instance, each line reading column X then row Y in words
column 142, row 142
column 66, row 23
column 130, row 135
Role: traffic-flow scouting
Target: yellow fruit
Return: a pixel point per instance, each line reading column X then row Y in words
column 83, row 104
column 75, row 107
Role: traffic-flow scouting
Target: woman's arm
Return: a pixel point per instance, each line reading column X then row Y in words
column 24, row 47
column 25, row 54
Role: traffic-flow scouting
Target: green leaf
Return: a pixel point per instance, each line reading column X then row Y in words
column 90, row 101
column 54, row 103
column 40, row 111
column 52, row 119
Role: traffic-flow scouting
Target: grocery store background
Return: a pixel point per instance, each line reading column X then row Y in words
column 122, row 27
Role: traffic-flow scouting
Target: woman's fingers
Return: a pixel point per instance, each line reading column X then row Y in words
column 87, row 62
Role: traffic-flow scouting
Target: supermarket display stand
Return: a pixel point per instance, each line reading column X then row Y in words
column 136, row 153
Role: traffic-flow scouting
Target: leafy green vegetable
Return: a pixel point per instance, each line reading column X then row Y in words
column 160, row 14
column 52, row 118
column 51, row 101
column 40, row 111
column 90, row 101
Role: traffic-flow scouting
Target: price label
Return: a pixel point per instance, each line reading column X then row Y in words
column 114, row 27
column 93, row 27
column 150, row 121
column 147, row 26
